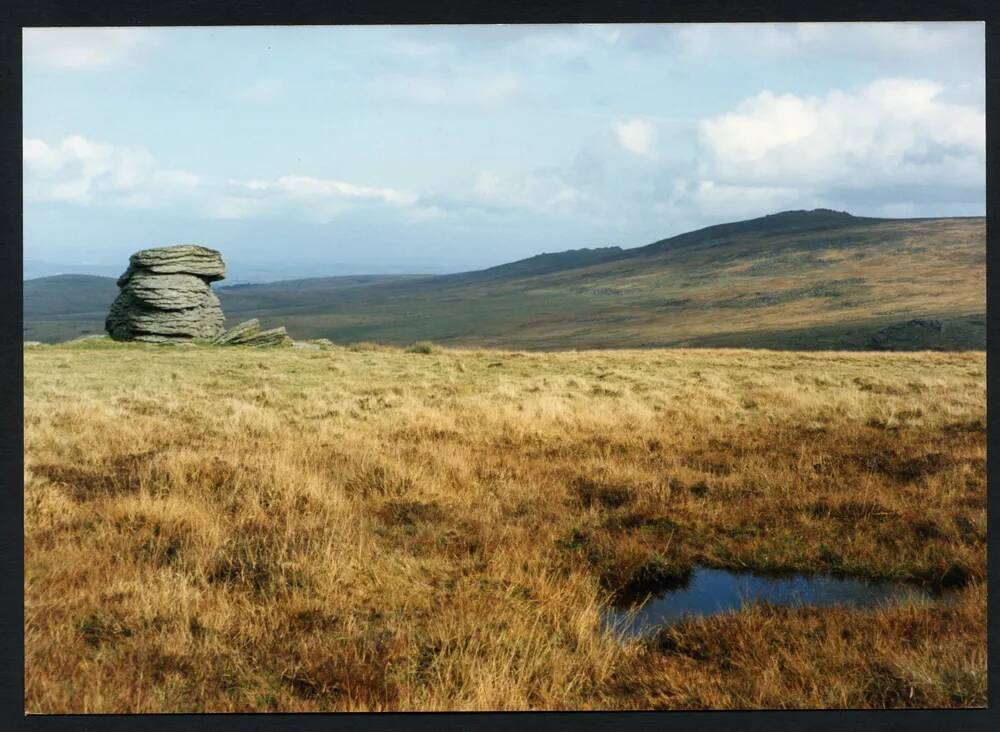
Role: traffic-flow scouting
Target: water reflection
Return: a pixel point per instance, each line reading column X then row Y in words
column 709, row 591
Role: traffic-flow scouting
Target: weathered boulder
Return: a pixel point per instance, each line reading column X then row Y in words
column 248, row 333
column 165, row 296
column 273, row 337
column 234, row 335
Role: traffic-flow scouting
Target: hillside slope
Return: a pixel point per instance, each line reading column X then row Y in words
column 62, row 307
column 799, row 279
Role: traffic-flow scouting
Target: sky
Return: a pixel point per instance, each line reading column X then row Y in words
column 321, row 151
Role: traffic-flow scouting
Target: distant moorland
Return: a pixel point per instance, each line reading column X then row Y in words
column 796, row 280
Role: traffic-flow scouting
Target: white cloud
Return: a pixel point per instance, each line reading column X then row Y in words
column 416, row 48
column 318, row 190
column 477, row 88
column 759, row 125
column 84, row 48
column 892, row 147
column 501, row 199
column 568, row 41
column 496, row 88
column 262, row 89
column 722, row 201
column 635, row 136
column 769, row 40
column 775, row 41
column 80, row 171
column 912, row 39
column 536, row 191
column 238, row 207
column 179, row 178
column 487, row 184
column 890, row 132
column 877, row 150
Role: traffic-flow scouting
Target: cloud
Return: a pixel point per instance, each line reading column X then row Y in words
column 302, row 197
column 540, row 190
column 889, row 132
column 87, row 173
column 722, row 201
column 485, row 65
column 78, row 170
column 416, row 48
column 479, row 65
column 892, row 146
column 84, row 48
column 912, row 39
column 566, row 42
column 314, row 188
column 483, row 88
column 635, row 136
column 775, row 41
column 760, row 125
column 522, row 41
column 262, row 89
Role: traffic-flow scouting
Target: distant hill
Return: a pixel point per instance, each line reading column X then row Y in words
column 70, row 293
column 786, row 222
column 799, row 279
column 62, row 307
column 538, row 265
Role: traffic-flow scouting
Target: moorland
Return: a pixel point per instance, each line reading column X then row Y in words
column 380, row 528
column 803, row 280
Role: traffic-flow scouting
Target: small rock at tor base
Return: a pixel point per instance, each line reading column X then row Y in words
column 248, row 333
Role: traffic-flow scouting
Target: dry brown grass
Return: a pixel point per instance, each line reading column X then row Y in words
column 252, row 530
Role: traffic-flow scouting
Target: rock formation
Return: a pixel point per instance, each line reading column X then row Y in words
column 165, row 296
column 917, row 334
column 248, row 333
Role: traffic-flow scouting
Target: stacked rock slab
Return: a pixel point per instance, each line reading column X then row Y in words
column 165, row 296
column 248, row 333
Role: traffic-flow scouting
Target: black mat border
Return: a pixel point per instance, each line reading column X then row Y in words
column 15, row 14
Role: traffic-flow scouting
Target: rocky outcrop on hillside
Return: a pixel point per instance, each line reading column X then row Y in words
column 165, row 296
column 918, row 333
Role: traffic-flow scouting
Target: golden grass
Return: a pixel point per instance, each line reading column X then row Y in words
column 375, row 529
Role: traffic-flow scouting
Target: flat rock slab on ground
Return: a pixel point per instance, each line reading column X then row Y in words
column 248, row 333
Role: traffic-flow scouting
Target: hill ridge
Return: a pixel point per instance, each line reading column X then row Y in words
column 816, row 279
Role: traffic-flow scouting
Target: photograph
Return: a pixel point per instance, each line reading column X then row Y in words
column 503, row 367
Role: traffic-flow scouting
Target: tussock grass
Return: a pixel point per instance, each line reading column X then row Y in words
column 359, row 529
column 424, row 347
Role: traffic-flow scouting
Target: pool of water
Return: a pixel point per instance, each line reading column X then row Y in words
column 710, row 591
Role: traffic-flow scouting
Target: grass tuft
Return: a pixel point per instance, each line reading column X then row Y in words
column 424, row 347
